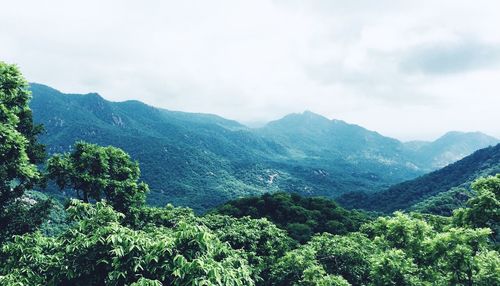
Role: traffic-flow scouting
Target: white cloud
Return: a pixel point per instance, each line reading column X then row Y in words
column 372, row 63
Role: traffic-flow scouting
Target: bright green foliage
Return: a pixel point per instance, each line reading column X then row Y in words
column 392, row 267
column 19, row 152
column 97, row 172
column 168, row 216
column 339, row 260
column 290, row 268
column 316, row 276
column 455, row 251
column 146, row 282
column 347, row 256
column 262, row 241
column 487, row 268
column 483, row 209
column 173, row 246
column 98, row 250
column 400, row 231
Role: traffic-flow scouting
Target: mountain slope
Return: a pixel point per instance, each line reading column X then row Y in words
column 483, row 162
column 449, row 148
column 202, row 160
column 187, row 159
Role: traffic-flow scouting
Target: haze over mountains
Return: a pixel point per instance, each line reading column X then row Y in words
column 202, row 160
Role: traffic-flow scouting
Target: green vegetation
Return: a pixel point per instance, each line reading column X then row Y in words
column 113, row 238
column 96, row 172
column 461, row 174
column 202, row 161
column 301, row 217
column 173, row 246
column 19, row 152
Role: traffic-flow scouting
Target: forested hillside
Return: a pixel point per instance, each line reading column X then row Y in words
column 300, row 216
column 443, row 182
column 202, row 160
column 109, row 235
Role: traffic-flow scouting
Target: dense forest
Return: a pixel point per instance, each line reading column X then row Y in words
column 108, row 235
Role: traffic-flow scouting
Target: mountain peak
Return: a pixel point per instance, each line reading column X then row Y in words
column 312, row 114
column 304, row 119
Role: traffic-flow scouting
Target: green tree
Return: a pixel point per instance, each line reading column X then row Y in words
column 483, row 210
column 97, row 172
column 99, row 250
column 393, row 267
column 347, row 256
column 401, row 232
column 19, row 152
column 456, row 254
column 262, row 241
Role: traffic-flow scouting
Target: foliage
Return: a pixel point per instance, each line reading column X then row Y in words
column 96, row 172
column 173, row 246
column 275, row 239
column 19, row 152
column 483, row 209
column 300, row 216
column 262, row 241
column 99, row 250
column 443, row 203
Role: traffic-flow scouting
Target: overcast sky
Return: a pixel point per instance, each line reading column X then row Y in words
column 407, row 69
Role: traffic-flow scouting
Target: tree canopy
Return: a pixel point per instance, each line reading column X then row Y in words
column 19, row 152
column 97, row 172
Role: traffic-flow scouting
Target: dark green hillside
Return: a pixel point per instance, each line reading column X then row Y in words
column 483, row 162
column 300, row 216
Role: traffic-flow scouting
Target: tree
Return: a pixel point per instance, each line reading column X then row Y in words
column 262, row 241
column 392, row 267
column 457, row 253
column 99, row 250
column 97, row 172
column 347, row 256
column 19, row 150
column 483, row 210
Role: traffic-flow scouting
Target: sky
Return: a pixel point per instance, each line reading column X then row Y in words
column 407, row 69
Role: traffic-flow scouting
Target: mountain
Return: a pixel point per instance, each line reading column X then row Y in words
column 203, row 160
column 312, row 136
column 449, row 148
column 433, row 189
column 188, row 159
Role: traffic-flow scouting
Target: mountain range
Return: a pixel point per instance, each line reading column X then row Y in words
column 203, row 160
column 447, row 182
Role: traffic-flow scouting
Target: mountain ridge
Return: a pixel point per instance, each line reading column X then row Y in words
column 460, row 174
column 202, row 160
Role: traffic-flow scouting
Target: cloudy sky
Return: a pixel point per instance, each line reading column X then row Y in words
column 407, row 69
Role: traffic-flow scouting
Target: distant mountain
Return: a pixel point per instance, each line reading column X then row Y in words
column 449, row 148
column 309, row 135
column 202, row 160
column 432, row 190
